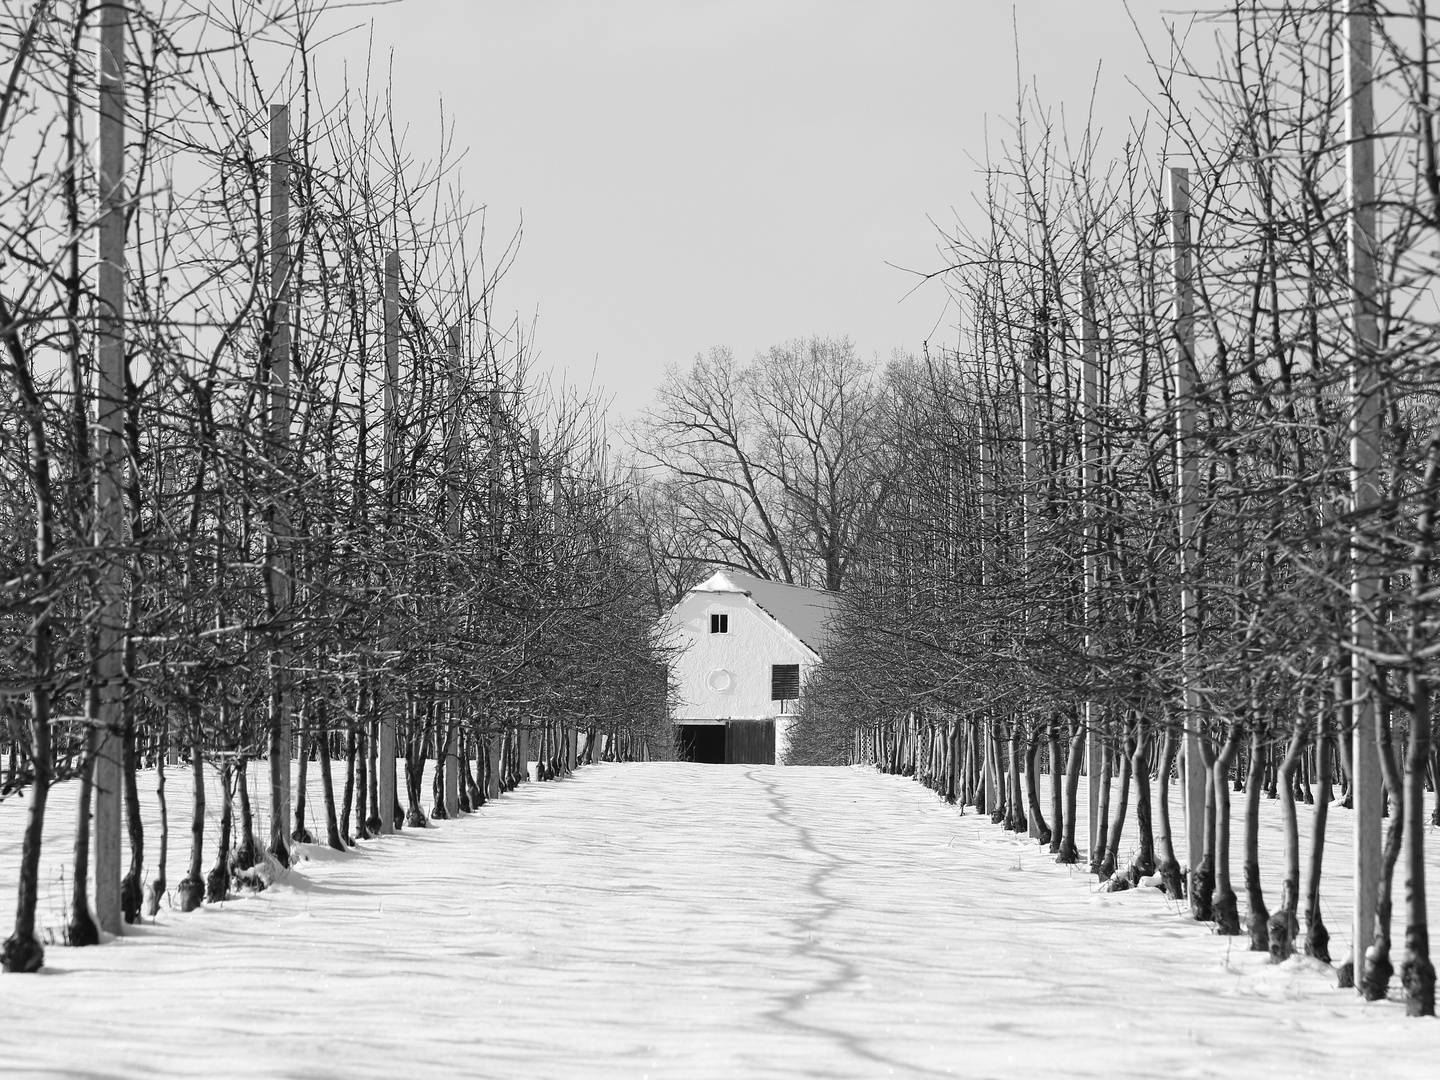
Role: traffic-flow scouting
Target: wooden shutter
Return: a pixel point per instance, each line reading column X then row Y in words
column 784, row 682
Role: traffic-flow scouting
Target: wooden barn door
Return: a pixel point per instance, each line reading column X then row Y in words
column 750, row 742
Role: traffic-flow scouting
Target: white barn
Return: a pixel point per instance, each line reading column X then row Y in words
column 745, row 648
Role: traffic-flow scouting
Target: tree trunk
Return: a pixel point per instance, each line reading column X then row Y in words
column 438, row 811
column 1259, row 915
column 327, row 782
column 416, row 753
column 1346, row 733
column 300, row 834
column 1375, row 978
column 1102, row 813
column 1168, row 867
column 365, row 819
column 22, row 951
column 972, row 766
column 1014, row 802
column 373, row 822
column 1117, row 823
column 1143, row 864
column 347, row 800
column 1317, row 937
column 995, row 771
column 1285, row 924
column 191, row 891
column 1202, row 878
column 486, row 776
column 1068, row 853
column 217, row 885
column 1058, row 809
column 158, row 886
column 1417, row 972
column 462, row 762
column 1223, row 905
column 81, row 930
column 1032, row 787
column 1434, row 772
column 131, row 886
column 279, row 756
column 246, row 850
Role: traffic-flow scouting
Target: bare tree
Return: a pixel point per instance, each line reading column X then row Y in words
column 776, row 467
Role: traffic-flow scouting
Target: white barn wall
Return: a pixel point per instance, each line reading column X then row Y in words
column 753, row 644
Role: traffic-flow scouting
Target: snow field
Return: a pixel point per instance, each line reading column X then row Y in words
column 675, row 920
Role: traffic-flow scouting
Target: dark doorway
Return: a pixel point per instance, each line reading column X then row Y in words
column 704, row 743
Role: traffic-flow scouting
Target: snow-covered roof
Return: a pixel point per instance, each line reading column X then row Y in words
column 805, row 612
column 718, row 582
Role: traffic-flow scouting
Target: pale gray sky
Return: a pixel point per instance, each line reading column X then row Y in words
column 702, row 173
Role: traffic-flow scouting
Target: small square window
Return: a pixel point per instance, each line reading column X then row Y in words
column 719, row 624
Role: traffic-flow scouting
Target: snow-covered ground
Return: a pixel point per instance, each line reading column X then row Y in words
column 672, row 920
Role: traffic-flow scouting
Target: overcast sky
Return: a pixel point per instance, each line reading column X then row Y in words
column 704, row 173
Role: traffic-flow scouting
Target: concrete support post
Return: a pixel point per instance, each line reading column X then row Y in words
column 1365, row 432
column 1186, row 491
column 110, row 465
column 1089, row 479
column 452, row 527
column 1030, row 463
column 385, row 750
column 281, row 734
column 987, row 757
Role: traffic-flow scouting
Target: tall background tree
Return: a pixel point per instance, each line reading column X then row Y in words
column 778, row 466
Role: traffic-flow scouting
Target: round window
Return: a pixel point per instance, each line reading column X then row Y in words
column 719, row 680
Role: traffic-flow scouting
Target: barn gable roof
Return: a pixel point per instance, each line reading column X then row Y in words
column 806, row 613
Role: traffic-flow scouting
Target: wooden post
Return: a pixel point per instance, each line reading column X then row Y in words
column 452, row 500
column 986, row 478
column 535, row 482
column 493, row 495
column 1090, row 485
column 110, row 465
column 534, row 510
column 1186, row 481
column 385, row 748
column 559, row 520
column 1365, row 428
column 1030, row 465
column 279, row 436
